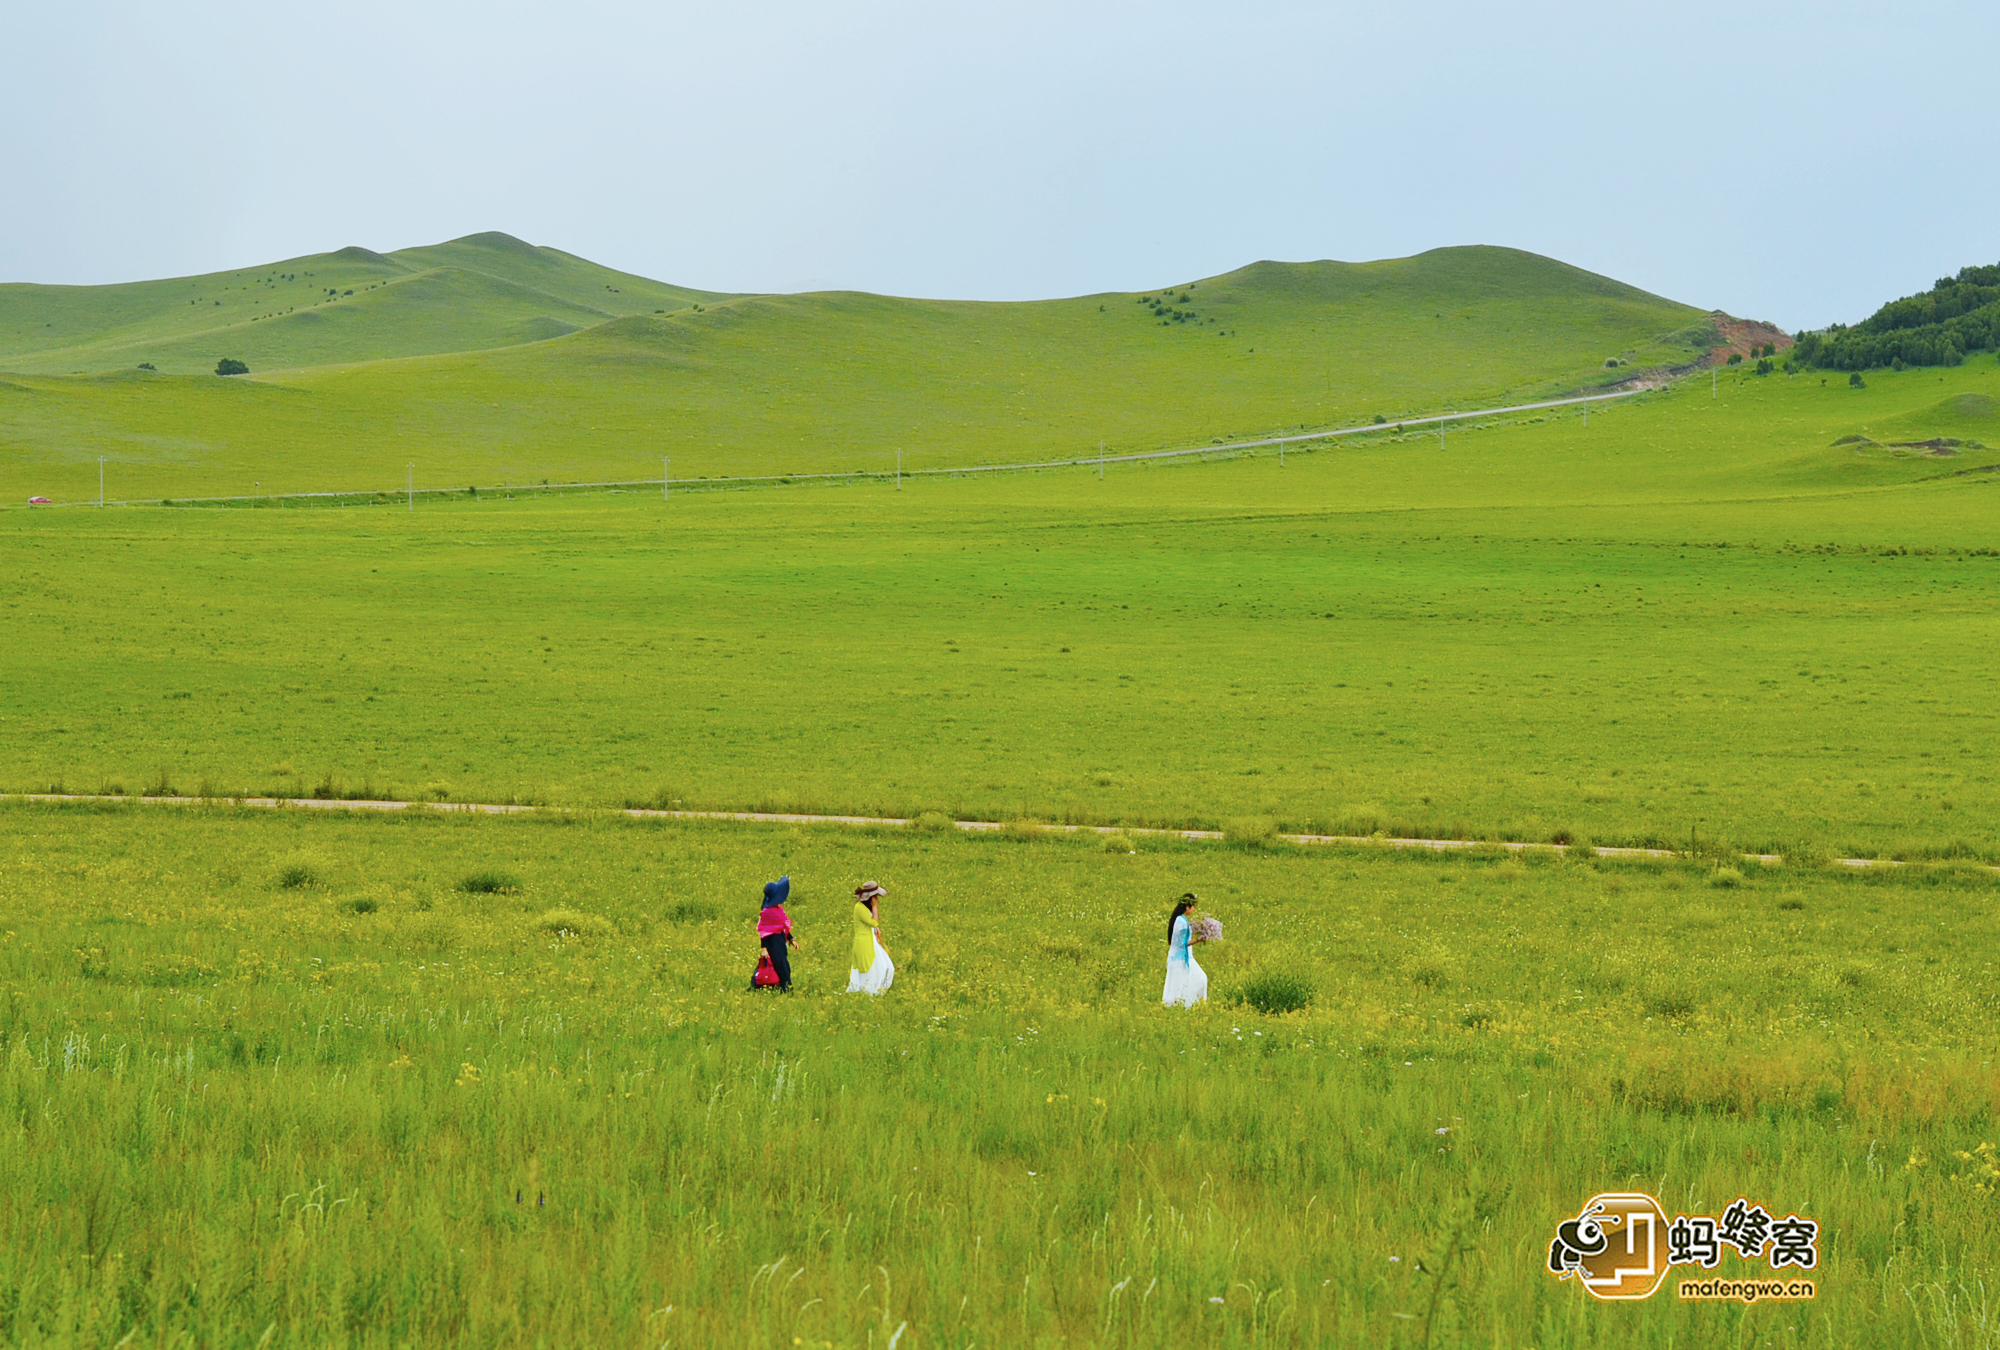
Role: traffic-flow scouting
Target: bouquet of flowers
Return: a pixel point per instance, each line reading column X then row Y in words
column 1206, row 929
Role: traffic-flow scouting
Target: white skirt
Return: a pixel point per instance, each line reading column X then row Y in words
column 877, row 978
column 1187, row 983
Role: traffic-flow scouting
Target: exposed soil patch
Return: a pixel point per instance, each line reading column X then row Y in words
column 1744, row 337
column 1936, row 445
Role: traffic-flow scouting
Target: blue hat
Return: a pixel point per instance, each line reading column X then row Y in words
column 775, row 892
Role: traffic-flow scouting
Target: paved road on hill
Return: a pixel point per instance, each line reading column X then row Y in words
column 794, row 818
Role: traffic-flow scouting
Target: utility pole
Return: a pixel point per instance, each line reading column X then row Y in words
column 1586, row 417
column 411, row 486
column 1281, row 454
column 1100, row 461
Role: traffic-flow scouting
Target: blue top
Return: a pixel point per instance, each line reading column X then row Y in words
column 1178, row 947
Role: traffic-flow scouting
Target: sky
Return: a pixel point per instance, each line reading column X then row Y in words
column 1799, row 163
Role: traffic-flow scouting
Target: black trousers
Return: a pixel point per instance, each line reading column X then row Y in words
column 774, row 947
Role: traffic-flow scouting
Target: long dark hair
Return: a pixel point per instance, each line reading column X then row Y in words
column 1181, row 907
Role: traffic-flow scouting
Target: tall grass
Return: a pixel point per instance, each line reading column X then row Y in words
column 236, row 1108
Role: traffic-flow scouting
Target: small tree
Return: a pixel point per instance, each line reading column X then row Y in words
column 229, row 365
column 1854, row 381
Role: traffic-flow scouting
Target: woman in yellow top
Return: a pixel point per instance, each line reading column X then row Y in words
column 872, row 971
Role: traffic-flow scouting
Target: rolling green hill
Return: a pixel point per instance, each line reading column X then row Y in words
column 485, row 290
column 832, row 381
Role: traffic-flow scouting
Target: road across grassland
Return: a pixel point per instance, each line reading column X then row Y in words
column 880, row 822
column 855, row 475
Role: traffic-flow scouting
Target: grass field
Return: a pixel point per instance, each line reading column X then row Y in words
column 292, row 1078
column 1693, row 617
column 804, row 383
column 372, row 1107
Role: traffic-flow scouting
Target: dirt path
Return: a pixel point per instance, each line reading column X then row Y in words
column 791, row 818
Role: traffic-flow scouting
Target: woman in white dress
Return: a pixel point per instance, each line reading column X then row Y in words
column 870, row 969
column 1187, row 982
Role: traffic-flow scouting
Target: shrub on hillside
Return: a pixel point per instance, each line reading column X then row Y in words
column 229, row 365
column 489, row 881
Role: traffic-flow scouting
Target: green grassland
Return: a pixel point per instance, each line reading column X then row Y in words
column 485, row 290
column 1692, row 616
column 374, row 1108
column 831, row 382
column 297, row 1077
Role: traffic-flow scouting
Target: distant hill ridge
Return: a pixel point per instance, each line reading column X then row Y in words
column 494, row 361
column 354, row 304
column 491, row 290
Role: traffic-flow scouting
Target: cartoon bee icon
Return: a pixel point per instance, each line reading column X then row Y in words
column 1614, row 1247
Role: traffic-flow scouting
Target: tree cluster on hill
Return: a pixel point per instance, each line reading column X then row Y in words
column 1960, row 314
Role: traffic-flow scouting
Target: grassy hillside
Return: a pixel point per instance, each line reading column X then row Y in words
column 1970, row 417
column 1692, row 613
column 839, row 381
column 486, row 290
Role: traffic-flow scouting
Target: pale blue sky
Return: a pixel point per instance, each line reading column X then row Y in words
column 1789, row 161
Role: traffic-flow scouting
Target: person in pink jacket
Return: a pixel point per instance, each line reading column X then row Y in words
column 774, row 930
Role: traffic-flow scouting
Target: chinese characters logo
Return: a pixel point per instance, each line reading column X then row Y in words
column 1621, row 1246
